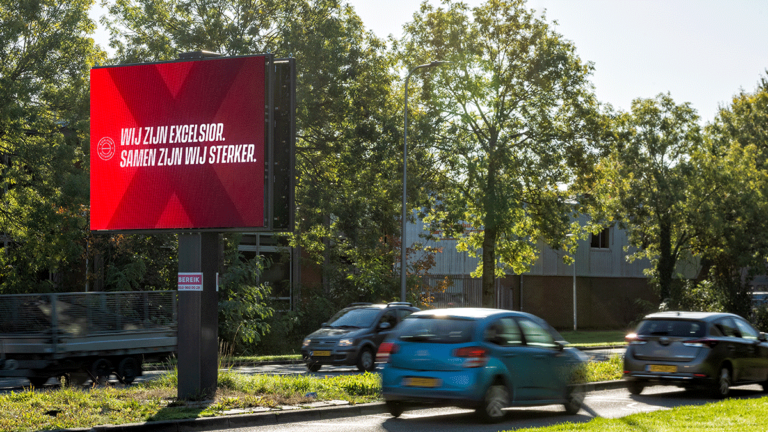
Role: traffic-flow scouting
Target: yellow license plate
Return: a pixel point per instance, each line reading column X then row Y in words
column 421, row 382
column 321, row 353
column 662, row 368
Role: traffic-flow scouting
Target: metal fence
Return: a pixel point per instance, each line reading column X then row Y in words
column 80, row 314
column 465, row 291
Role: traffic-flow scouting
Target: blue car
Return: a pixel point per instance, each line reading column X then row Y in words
column 485, row 359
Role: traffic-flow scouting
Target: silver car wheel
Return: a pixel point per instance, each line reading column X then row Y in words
column 495, row 400
column 366, row 361
column 575, row 400
column 724, row 383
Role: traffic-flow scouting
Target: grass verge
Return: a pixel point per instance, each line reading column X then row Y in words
column 155, row 400
column 730, row 415
column 595, row 338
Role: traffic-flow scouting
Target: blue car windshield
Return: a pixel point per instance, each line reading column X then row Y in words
column 361, row 318
column 432, row 329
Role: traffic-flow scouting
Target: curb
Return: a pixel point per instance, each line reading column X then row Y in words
column 278, row 417
column 242, row 420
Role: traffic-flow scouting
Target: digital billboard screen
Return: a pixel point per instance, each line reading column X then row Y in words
column 178, row 145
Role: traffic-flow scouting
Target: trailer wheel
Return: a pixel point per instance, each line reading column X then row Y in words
column 100, row 371
column 73, row 379
column 38, row 382
column 128, row 369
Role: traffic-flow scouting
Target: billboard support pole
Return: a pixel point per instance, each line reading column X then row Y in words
column 198, row 317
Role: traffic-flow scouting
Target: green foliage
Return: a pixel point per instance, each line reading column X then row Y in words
column 514, row 116
column 733, row 177
column 609, row 370
column 289, row 328
column 348, row 122
column 45, row 54
column 243, row 301
column 133, row 262
column 645, row 181
column 759, row 318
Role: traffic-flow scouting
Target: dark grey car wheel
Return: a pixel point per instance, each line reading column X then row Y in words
column 635, row 387
column 495, row 400
column 366, row 361
column 722, row 386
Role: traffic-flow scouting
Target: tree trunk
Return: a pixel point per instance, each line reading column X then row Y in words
column 489, row 267
column 666, row 265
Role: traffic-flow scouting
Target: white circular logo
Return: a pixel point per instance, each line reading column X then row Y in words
column 106, row 148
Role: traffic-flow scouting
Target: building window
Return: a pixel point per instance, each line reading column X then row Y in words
column 600, row 240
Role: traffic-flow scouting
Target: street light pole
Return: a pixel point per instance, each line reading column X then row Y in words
column 405, row 176
column 574, row 291
column 574, row 283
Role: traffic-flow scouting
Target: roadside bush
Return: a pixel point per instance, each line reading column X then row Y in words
column 288, row 328
column 759, row 318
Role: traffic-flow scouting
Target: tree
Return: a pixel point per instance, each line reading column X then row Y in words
column 517, row 116
column 732, row 183
column 348, row 121
column 243, row 301
column 45, row 55
column 645, row 181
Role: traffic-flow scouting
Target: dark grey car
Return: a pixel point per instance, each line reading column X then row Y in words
column 353, row 335
column 713, row 351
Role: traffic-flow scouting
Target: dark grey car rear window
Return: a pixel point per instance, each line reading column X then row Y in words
column 676, row 328
column 436, row 330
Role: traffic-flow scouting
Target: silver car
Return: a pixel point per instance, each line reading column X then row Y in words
column 696, row 350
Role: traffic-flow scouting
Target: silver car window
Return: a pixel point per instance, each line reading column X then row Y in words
column 747, row 332
column 727, row 327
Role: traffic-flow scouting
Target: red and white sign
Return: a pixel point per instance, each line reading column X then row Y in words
column 190, row 281
column 178, row 145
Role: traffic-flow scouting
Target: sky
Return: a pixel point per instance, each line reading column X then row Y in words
column 699, row 51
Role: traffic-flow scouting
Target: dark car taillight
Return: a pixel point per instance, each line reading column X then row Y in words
column 711, row 343
column 634, row 339
column 385, row 350
column 475, row 356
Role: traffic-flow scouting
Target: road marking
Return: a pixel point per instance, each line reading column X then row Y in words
column 607, row 398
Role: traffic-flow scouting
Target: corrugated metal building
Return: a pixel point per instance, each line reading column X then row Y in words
column 609, row 289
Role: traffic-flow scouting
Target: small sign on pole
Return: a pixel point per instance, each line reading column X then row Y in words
column 190, row 281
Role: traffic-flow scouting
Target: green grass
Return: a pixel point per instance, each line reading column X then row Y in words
column 583, row 338
column 609, row 370
column 267, row 358
column 741, row 415
column 156, row 399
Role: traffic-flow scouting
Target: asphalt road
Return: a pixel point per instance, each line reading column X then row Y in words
column 607, row 404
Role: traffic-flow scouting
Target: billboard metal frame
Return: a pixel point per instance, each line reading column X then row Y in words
column 272, row 122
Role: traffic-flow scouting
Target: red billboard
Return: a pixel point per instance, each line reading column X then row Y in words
column 178, row 145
